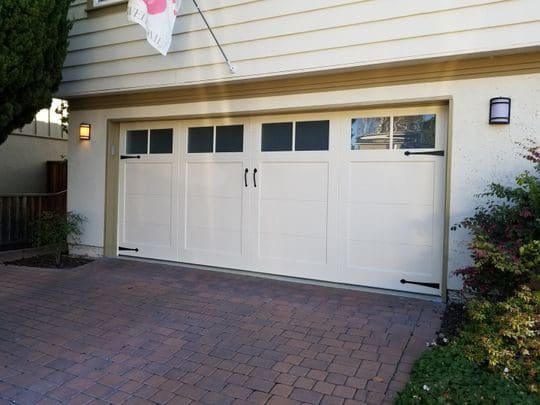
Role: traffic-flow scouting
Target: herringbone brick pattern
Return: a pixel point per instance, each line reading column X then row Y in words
column 118, row 331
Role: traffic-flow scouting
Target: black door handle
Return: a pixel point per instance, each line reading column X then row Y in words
column 245, row 176
column 129, row 157
column 433, row 152
column 254, row 177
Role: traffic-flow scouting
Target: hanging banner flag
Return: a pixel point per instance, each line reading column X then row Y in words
column 157, row 17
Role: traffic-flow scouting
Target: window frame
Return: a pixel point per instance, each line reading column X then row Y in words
column 392, row 114
column 96, row 4
column 214, row 125
column 148, row 129
column 294, row 122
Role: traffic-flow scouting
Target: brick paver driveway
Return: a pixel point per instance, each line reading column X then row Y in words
column 118, row 331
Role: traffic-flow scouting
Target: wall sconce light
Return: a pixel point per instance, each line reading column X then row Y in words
column 84, row 131
column 499, row 110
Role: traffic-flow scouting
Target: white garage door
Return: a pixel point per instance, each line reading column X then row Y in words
column 350, row 197
column 148, row 192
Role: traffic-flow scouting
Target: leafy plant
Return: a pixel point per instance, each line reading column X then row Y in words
column 54, row 230
column 443, row 375
column 33, row 45
column 63, row 112
column 506, row 236
column 505, row 337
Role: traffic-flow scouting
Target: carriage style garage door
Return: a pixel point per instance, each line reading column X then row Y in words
column 350, row 197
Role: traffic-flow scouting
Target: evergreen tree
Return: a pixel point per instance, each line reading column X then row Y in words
column 33, row 45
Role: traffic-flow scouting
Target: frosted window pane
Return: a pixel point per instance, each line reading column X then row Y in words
column 370, row 133
column 414, row 132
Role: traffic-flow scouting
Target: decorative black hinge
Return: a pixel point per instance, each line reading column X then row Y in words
column 121, row 248
column 430, row 285
column 433, row 152
column 130, row 157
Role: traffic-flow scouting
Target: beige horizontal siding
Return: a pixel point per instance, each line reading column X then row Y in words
column 271, row 37
column 191, row 33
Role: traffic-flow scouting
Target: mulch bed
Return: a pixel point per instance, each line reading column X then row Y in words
column 453, row 320
column 49, row 261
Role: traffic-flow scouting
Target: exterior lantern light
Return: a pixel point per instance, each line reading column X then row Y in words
column 84, row 131
column 499, row 110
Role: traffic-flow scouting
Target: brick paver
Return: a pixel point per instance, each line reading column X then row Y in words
column 118, row 331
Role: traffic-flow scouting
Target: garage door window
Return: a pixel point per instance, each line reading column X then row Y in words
column 137, row 142
column 395, row 132
column 201, row 140
column 311, row 135
column 304, row 135
column 161, row 140
column 414, row 132
column 370, row 133
column 230, row 138
column 277, row 137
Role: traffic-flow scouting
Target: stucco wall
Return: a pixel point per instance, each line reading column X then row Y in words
column 22, row 162
column 479, row 153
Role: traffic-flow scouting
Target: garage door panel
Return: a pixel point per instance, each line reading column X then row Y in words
column 214, row 240
column 154, row 209
column 389, row 257
column 302, row 218
column 214, row 213
column 403, row 182
column 298, row 181
column 148, row 234
column 219, row 179
column 148, row 178
column 148, row 192
column 292, row 215
column 292, row 248
column 412, row 224
column 214, row 210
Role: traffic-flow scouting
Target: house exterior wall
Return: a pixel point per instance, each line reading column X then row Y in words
column 478, row 153
column 267, row 38
column 24, row 153
column 22, row 162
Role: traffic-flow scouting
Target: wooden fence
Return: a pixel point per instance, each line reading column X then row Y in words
column 19, row 211
column 56, row 176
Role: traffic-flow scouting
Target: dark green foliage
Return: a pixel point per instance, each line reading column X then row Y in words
column 504, row 337
column 54, row 230
column 33, row 45
column 444, row 376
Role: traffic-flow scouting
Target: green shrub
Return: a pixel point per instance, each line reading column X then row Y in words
column 506, row 237
column 505, row 338
column 33, row 44
column 444, row 375
column 52, row 229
